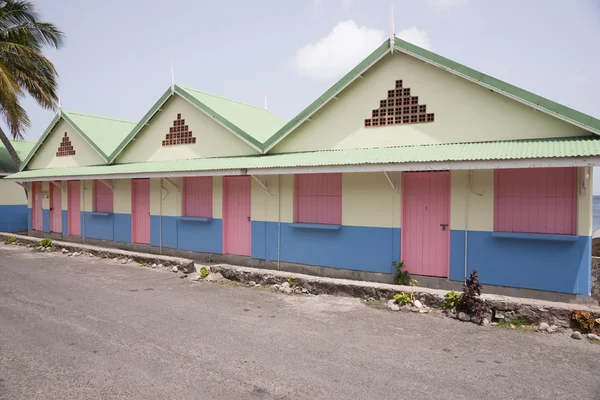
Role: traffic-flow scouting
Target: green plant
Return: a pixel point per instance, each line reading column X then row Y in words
column 204, row 272
column 585, row 322
column 413, row 283
column 292, row 281
column 402, row 276
column 12, row 240
column 451, row 300
column 46, row 243
column 470, row 302
column 402, row 299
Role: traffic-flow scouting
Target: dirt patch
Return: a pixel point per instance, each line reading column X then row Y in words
column 596, row 247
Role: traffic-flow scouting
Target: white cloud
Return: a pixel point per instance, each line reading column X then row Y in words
column 338, row 52
column 415, row 36
column 446, row 4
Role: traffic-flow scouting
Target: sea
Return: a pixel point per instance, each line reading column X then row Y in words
column 596, row 216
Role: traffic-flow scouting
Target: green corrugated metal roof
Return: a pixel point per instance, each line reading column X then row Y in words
column 22, row 147
column 101, row 133
column 587, row 122
column 502, row 150
column 106, row 133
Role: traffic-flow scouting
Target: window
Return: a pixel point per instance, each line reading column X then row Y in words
column 103, row 197
column 536, row 200
column 318, row 199
column 197, row 196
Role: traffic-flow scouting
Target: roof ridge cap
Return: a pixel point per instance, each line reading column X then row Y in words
column 97, row 116
column 225, row 98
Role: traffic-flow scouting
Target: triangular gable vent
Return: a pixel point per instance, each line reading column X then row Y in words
column 65, row 148
column 179, row 134
column 400, row 107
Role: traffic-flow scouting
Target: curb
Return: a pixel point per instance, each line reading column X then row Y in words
column 183, row 264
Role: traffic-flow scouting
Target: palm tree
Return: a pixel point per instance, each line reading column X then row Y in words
column 23, row 67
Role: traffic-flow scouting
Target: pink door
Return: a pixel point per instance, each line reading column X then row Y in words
column 236, row 215
column 74, row 208
column 425, row 246
column 36, row 206
column 55, row 208
column 140, row 210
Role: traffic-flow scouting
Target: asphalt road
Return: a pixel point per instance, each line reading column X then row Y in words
column 85, row 328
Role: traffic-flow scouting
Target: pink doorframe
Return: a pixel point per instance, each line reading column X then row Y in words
column 55, row 208
column 140, row 211
column 237, row 225
column 425, row 208
column 36, row 206
column 74, row 208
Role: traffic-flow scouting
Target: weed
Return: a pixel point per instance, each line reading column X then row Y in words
column 292, row 281
column 204, row 272
column 585, row 322
column 413, row 283
column 451, row 300
column 469, row 301
column 12, row 240
column 402, row 276
column 516, row 324
column 402, row 299
column 46, row 243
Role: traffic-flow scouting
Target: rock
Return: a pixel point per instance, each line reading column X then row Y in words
column 552, row 328
column 194, row 276
column 395, row 307
column 390, row 302
column 451, row 314
column 160, row 265
column 285, row 285
column 593, row 336
column 405, row 308
column 129, row 260
column 65, row 251
column 276, row 287
column 251, row 283
column 154, row 266
column 475, row 320
column 287, row 290
column 424, row 310
column 418, row 304
column 463, row 317
column 510, row 316
column 39, row 248
column 576, row 335
column 214, row 277
column 543, row 327
column 116, row 259
column 414, row 309
column 124, row 261
column 303, row 291
column 75, row 254
column 485, row 322
column 175, row 269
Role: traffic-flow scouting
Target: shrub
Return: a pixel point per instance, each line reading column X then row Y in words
column 585, row 322
column 292, row 281
column 402, row 276
column 451, row 300
column 11, row 240
column 469, row 301
column 46, row 242
column 204, row 272
column 401, row 299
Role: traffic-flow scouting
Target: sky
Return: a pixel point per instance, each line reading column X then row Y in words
column 117, row 57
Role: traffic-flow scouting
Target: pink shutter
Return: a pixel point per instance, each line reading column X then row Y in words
column 536, row 200
column 103, row 197
column 318, row 199
column 197, row 196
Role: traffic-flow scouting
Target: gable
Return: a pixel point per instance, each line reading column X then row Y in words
column 447, row 109
column 59, row 151
column 179, row 130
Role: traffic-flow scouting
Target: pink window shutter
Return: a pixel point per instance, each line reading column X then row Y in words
column 103, row 197
column 536, row 200
column 318, row 199
column 197, row 196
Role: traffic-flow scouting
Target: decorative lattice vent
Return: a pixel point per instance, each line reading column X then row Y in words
column 179, row 133
column 65, row 148
column 400, row 107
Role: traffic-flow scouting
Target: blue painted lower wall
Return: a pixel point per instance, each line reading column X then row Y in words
column 65, row 222
column 558, row 266
column 45, row 220
column 349, row 247
column 15, row 218
column 187, row 233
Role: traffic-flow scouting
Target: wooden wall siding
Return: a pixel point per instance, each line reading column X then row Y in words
column 179, row 133
column 103, row 197
column 55, row 208
column 318, row 199
column 400, row 107
column 197, row 196
column 36, row 206
column 536, row 200
column 237, row 226
column 74, row 208
column 140, row 210
column 65, row 148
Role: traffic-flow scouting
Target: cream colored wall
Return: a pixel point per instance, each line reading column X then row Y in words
column 45, row 195
column 265, row 205
column 122, row 200
column 584, row 204
column 64, row 195
column 11, row 194
column 46, row 157
column 464, row 112
column 86, row 198
column 212, row 140
column 369, row 200
column 480, row 195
